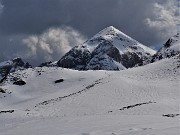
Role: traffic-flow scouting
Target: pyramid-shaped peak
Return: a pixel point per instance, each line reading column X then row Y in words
column 110, row 28
column 112, row 32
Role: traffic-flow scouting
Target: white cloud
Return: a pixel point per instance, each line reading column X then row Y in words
column 53, row 43
column 165, row 18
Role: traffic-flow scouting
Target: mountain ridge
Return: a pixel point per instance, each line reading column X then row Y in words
column 169, row 49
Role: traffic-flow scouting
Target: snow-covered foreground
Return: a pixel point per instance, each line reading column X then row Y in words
column 128, row 102
column 95, row 125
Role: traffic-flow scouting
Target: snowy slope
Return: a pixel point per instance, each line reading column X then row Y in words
column 110, row 41
column 131, row 101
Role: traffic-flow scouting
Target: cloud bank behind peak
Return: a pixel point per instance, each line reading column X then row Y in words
column 45, row 29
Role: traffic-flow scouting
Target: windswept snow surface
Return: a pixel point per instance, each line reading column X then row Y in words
column 127, row 102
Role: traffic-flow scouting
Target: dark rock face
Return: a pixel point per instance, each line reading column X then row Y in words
column 48, row 64
column 19, row 82
column 8, row 111
column 102, row 62
column 106, row 47
column 131, row 59
column 171, row 115
column 17, row 62
column 4, row 71
column 168, row 43
column 76, row 58
column 103, row 57
column 2, row 90
column 59, row 81
column 160, row 55
column 27, row 65
column 45, row 64
column 12, row 66
column 171, row 48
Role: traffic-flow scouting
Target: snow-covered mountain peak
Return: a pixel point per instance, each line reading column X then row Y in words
column 111, row 28
column 120, row 40
column 108, row 31
column 113, row 33
column 169, row 49
column 111, row 42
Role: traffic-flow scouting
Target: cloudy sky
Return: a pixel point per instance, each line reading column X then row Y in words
column 43, row 30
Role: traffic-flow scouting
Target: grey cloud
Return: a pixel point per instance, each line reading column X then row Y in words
column 166, row 18
column 51, row 44
column 148, row 21
column 47, row 46
column 33, row 16
column 11, row 46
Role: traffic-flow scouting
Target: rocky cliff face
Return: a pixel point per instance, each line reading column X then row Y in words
column 12, row 66
column 169, row 49
column 48, row 64
column 105, row 57
column 76, row 58
column 110, row 49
